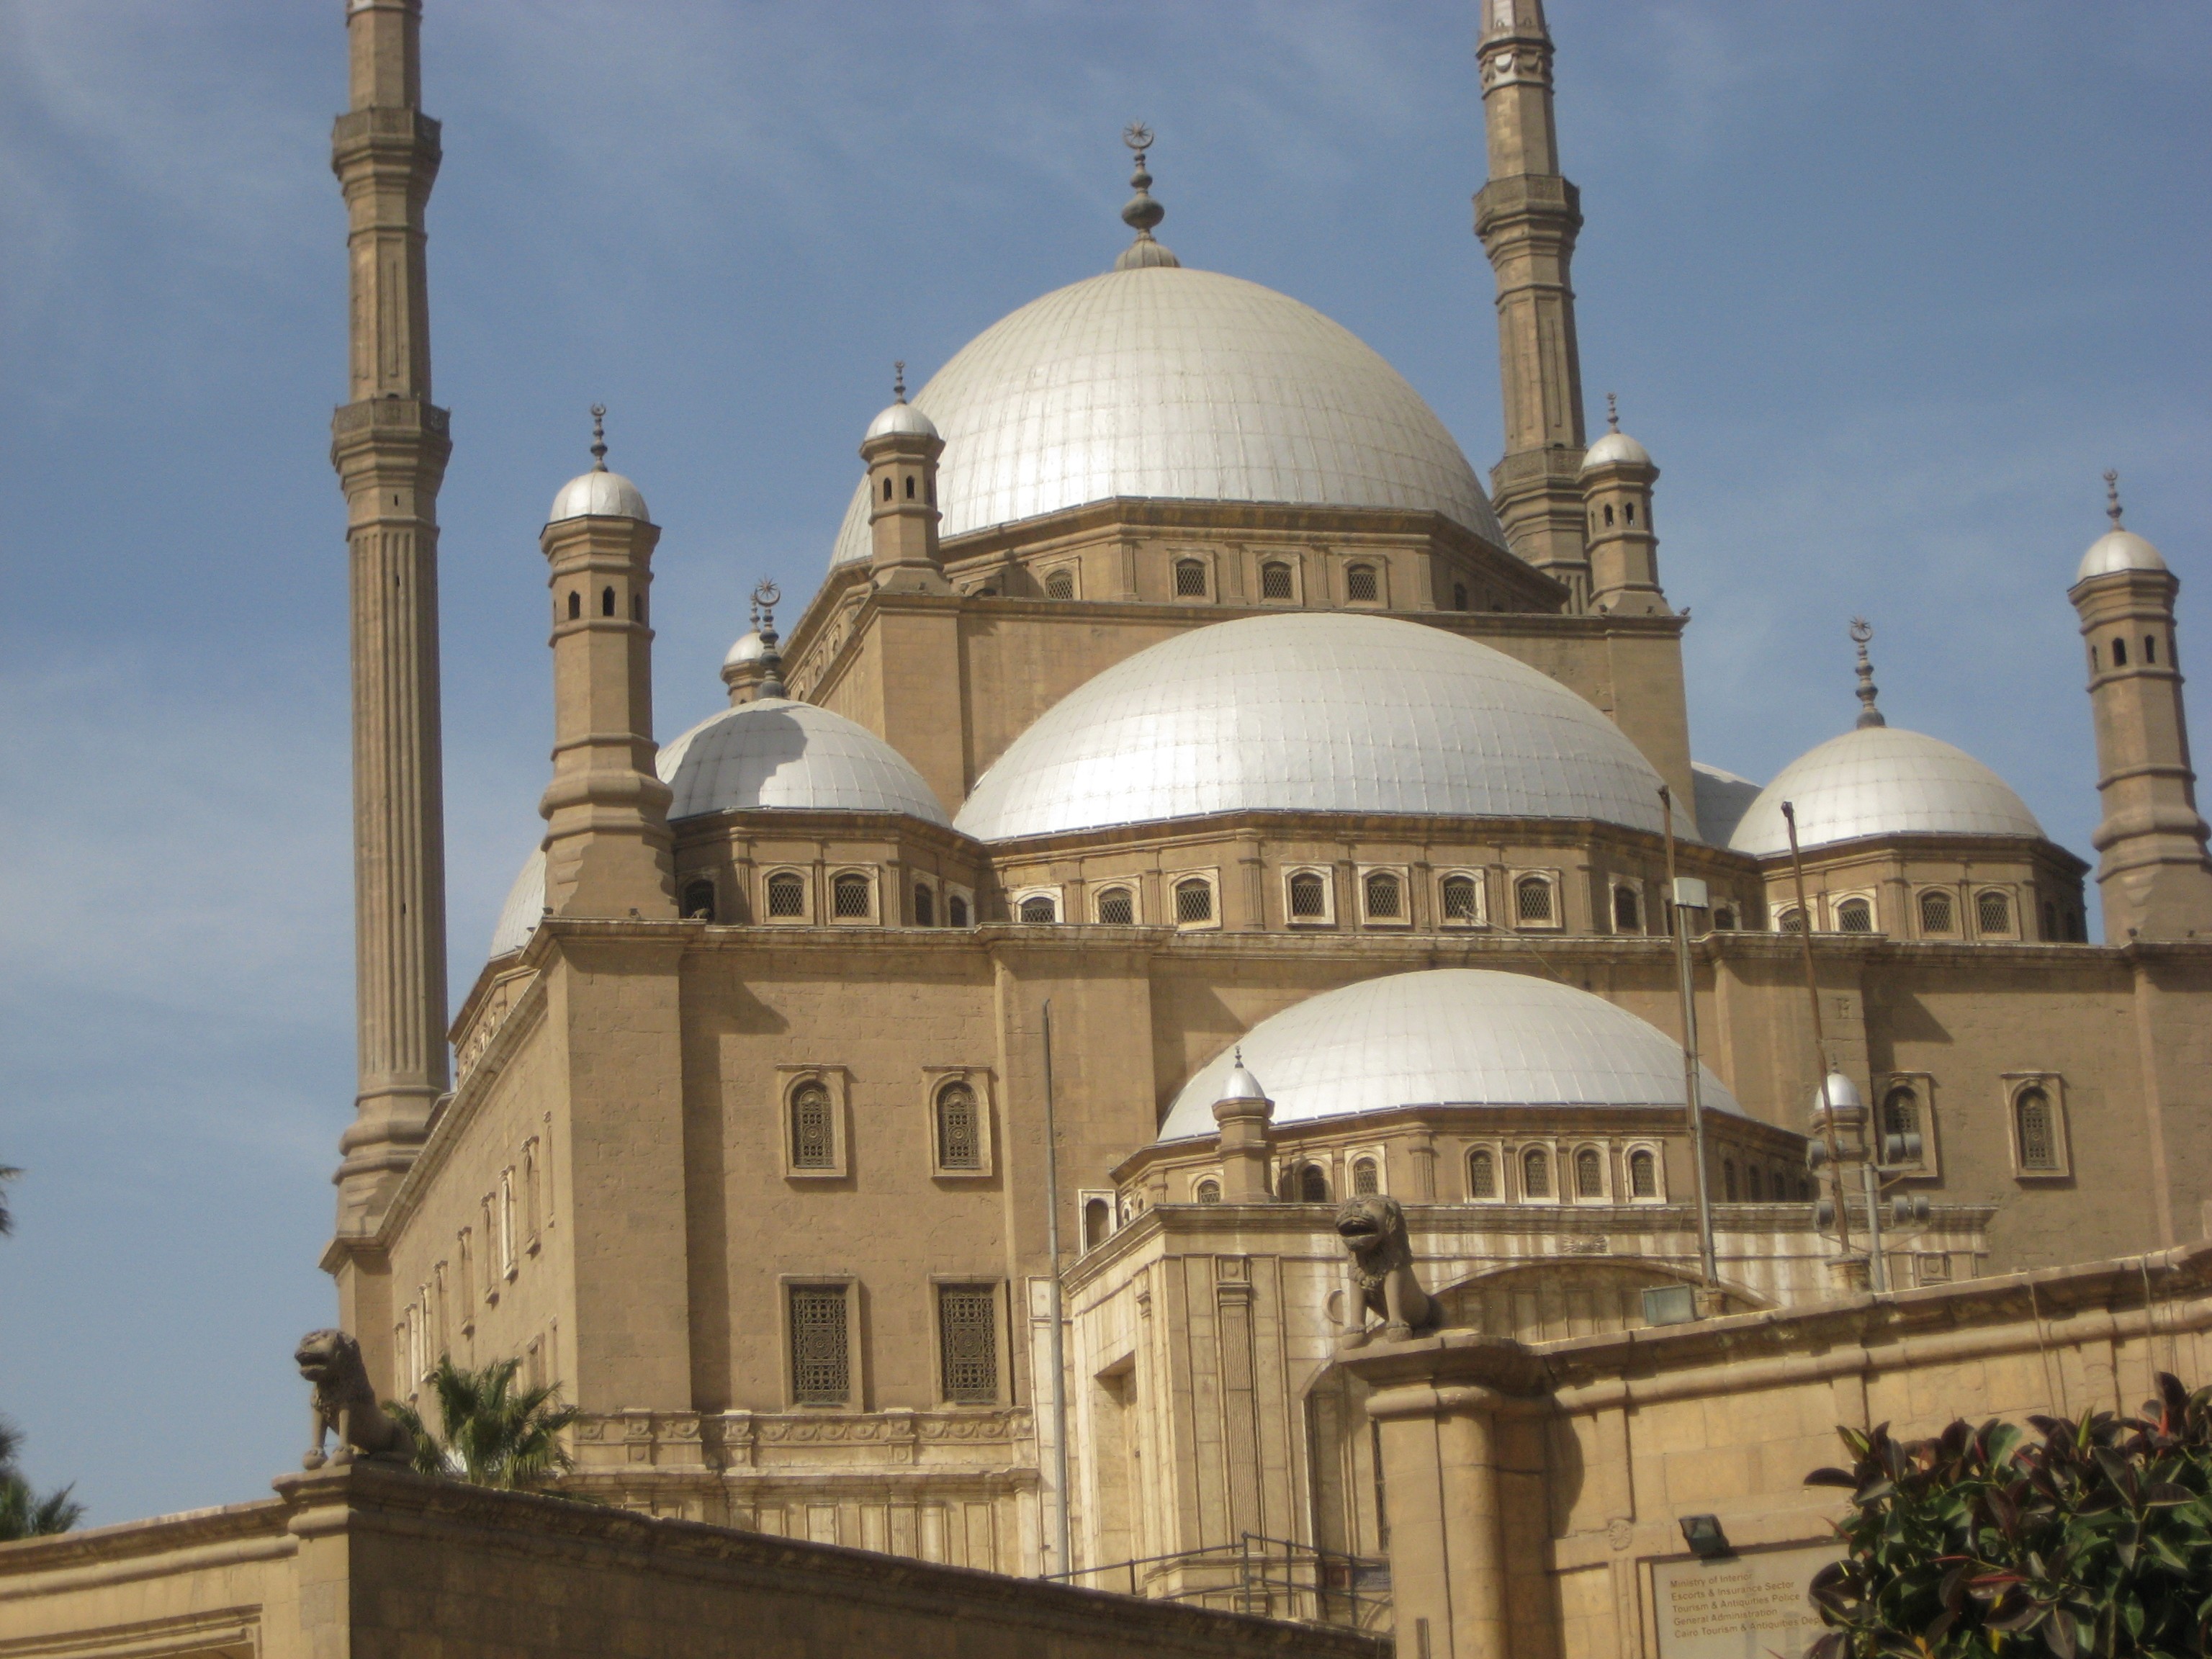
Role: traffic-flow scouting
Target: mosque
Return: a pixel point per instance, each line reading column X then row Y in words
column 910, row 1106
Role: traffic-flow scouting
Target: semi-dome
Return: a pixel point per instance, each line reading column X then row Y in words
column 1723, row 800
column 525, row 904
column 2117, row 550
column 1881, row 780
column 1313, row 712
column 1181, row 384
column 773, row 753
column 1447, row 1036
column 599, row 494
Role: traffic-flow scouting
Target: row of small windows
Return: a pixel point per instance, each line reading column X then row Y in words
column 1937, row 910
column 928, row 494
column 821, row 1340
column 1628, row 514
column 606, row 604
column 1362, row 583
column 852, row 898
column 2119, row 652
column 1585, row 1171
column 959, row 1128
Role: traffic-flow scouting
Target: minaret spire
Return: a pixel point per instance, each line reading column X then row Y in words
column 1141, row 213
column 389, row 444
column 1528, row 216
column 1861, row 632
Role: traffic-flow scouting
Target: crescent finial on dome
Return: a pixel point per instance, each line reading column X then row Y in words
column 1142, row 213
column 1861, row 632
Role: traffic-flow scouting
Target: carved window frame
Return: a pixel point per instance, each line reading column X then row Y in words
column 1356, row 1156
column 1403, row 875
column 1550, row 877
column 1327, row 919
column 1130, row 885
column 2013, row 933
column 1262, row 558
column 1498, row 1180
column 867, row 874
column 789, row 1077
column 1203, row 556
column 1518, row 1151
column 949, row 890
column 856, row 1391
column 1002, row 1352
column 1957, row 899
column 1657, row 1153
column 687, row 885
column 978, row 1078
column 806, row 906
column 1866, row 895
column 533, row 1194
column 1072, row 569
column 1022, row 895
column 1922, row 1085
column 1606, row 1193
column 1378, row 565
column 2017, row 1083
column 1173, row 881
column 1633, row 885
column 1084, row 1198
column 1463, row 872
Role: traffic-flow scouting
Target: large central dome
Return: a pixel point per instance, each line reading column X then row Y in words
column 1184, row 386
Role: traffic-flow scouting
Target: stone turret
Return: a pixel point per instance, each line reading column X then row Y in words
column 1616, row 477
column 901, row 449
column 1244, row 1113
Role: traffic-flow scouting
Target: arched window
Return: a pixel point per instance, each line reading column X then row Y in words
column 925, row 905
column 786, row 894
column 1900, row 1112
column 1313, row 1185
column 1060, row 584
column 959, row 1128
column 2039, row 1129
column 699, row 899
column 1097, row 1221
column 2050, row 921
column 1385, row 895
column 1608, row 514
column 956, row 910
column 2119, row 654
column 1117, row 907
column 1360, row 586
column 1308, row 897
column 1209, row 1191
column 1462, row 899
column 1627, row 913
column 1854, row 916
column 1727, row 1179
column 850, row 895
column 1366, row 1178
column 1993, row 913
column 1039, row 907
column 1643, row 1174
column 1275, row 581
column 1481, row 1173
column 813, row 1134
column 1190, row 578
column 1936, row 914
column 1536, row 1173
column 1628, row 512
column 1532, row 900
column 1193, row 901
column 637, row 607
column 909, row 486
column 606, row 602
column 1790, row 921
column 2150, row 648
column 887, row 490
column 1724, row 919
column 1754, row 1183
column 1589, row 1174
column 575, row 607
column 1459, row 596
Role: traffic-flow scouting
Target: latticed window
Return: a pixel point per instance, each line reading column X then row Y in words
column 1589, row 1174
column 1532, row 899
column 1193, row 900
column 1360, row 586
column 1308, row 897
column 2039, row 1130
column 786, row 894
column 1385, row 895
column 1209, row 1191
column 813, row 1134
column 1117, row 907
column 956, row 910
column 1992, row 912
column 1790, row 921
column 1461, row 898
column 1854, row 916
column 924, row 906
column 1190, row 578
column 967, row 1338
column 1725, row 919
column 1935, row 913
column 849, row 895
column 1536, row 1173
column 1900, row 1112
column 1275, row 581
column 1642, row 1175
column 959, row 1128
column 1481, row 1174
column 1060, row 584
column 1366, row 1178
column 1313, row 1185
column 1627, row 913
column 820, row 1349
column 699, row 899
column 1040, row 907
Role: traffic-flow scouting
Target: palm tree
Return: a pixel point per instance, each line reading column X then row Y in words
column 490, row 1432
column 23, row 1513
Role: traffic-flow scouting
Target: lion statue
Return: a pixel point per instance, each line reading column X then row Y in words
column 345, row 1404
column 1373, row 1228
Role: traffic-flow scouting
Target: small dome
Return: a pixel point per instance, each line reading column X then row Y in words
column 1723, row 800
column 1319, row 712
column 1841, row 1097
column 524, row 907
column 776, row 754
column 748, row 648
column 599, row 494
column 1881, row 780
column 1241, row 1084
column 1613, row 448
column 2116, row 550
column 1449, row 1036
column 901, row 420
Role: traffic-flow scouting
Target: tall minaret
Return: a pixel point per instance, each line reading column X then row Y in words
column 2155, row 875
column 1528, row 216
column 389, row 445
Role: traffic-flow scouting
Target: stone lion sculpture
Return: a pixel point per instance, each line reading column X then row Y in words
column 345, row 1405
column 1373, row 1228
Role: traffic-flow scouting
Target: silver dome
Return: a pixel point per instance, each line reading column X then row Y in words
column 748, row 647
column 1178, row 385
column 773, row 753
column 1880, row 780
column 525, row 907
column 1615, row 446
column 1455, row 1036
column 599, row 494
column 902, row 419
column 2117, row 550
column 1323, row 712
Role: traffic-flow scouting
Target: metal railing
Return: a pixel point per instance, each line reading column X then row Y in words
column 1273, row 1577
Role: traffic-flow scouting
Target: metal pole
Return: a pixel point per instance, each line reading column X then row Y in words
column 1819, row 1041
column 1059, row 1340
column 1691, row 1090
column 1871, row 1178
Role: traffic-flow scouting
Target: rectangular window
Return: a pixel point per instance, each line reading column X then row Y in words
column 967, row 1338
column 507, row 1222
column 821, row 1350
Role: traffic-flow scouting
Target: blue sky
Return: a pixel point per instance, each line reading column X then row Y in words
column 1883, row 287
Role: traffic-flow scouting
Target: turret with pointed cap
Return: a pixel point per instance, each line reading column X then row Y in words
column 1243, row 1112
column 901, row 449
column 1616, row 480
